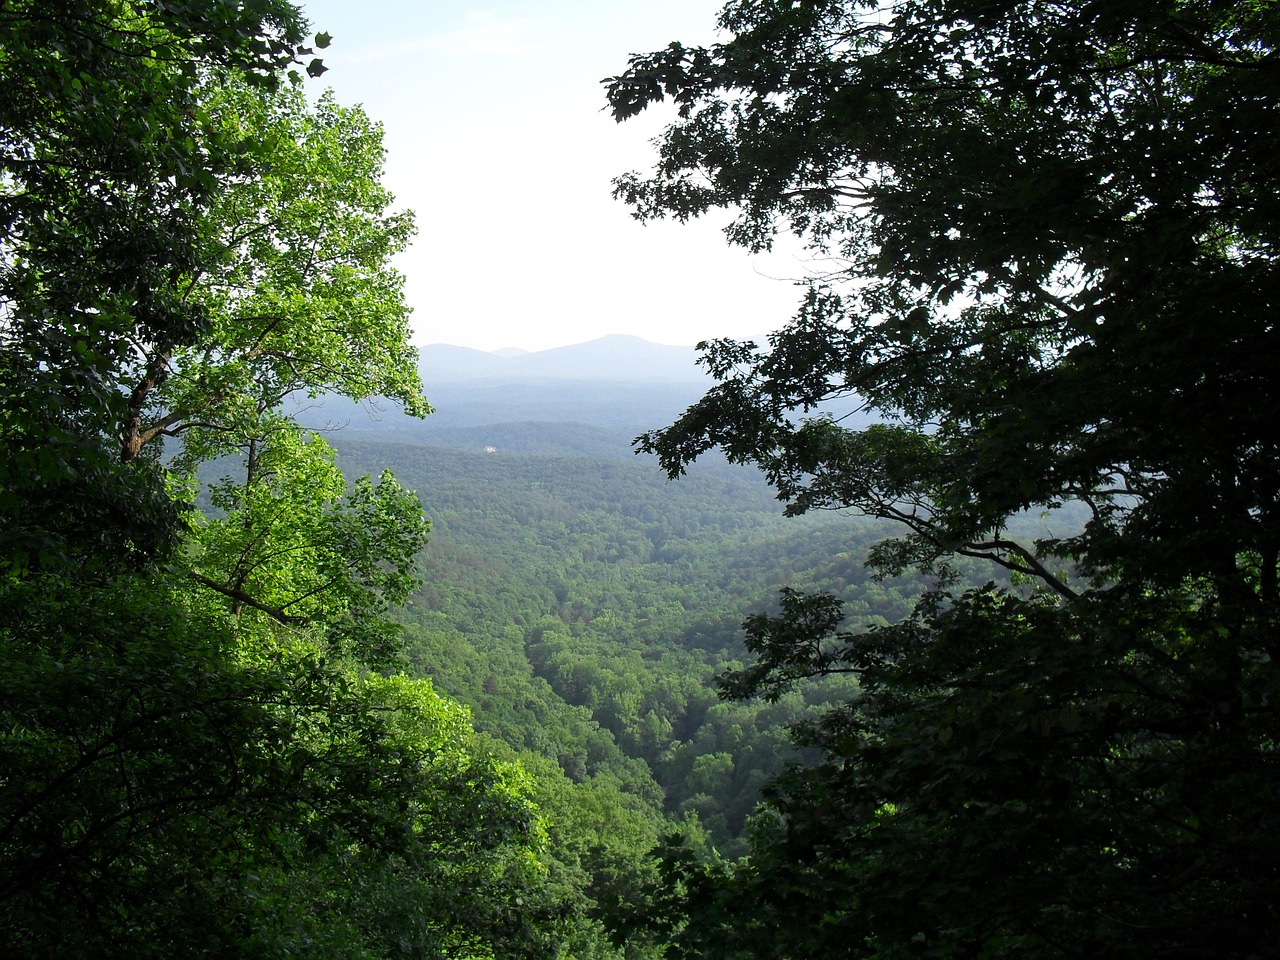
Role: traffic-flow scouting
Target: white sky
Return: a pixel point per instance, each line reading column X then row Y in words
column 497, row 138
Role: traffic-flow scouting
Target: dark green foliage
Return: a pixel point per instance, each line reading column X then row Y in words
column 1011, row 777
column 1023, row 245
column 196, row 758
column 582, row 608
column 167, row 791
column 1056, row 226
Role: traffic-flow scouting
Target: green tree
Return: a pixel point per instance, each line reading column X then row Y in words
column 103, row 173
column 187, row 771
column 1049, row 235
column 292, row 275
column 294, row 279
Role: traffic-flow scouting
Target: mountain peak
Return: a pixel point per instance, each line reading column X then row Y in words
column 614, row 357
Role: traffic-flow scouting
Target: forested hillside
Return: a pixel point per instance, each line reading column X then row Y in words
column 941, row 623
column 559, row 589
column 581, row 603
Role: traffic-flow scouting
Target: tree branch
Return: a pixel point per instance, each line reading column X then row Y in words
column 248, row 600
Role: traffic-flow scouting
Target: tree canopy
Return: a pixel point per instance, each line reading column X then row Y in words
column 204, row 747
column 1046, row 264
column 105, row 171
column 292, row 275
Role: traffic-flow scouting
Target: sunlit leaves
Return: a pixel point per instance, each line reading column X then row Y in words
column 197, row 759
column 288, row 542
column 294, row 273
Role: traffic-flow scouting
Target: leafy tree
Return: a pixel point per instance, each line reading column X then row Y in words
column 184, row 276
column 295, row 283
column 1049, row 232
column 103, row 173
column 187, row 771
column 291, row 274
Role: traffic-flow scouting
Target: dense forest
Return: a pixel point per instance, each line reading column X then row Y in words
column 560, row 589
column 940, row 624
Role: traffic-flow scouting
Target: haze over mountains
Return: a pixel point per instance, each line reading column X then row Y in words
column 589, row 399
column 614, row 358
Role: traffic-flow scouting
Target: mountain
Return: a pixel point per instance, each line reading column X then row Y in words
column 589, row 399
column 611, row 358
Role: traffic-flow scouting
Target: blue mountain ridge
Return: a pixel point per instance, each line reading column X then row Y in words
column 590, row 399
column 615, row 357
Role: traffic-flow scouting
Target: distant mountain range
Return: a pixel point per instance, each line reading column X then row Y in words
column 590, row 399
column 615, row 358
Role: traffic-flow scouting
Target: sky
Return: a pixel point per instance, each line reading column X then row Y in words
column 498, row 139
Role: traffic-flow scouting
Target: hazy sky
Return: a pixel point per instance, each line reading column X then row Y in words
column 497, row 138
